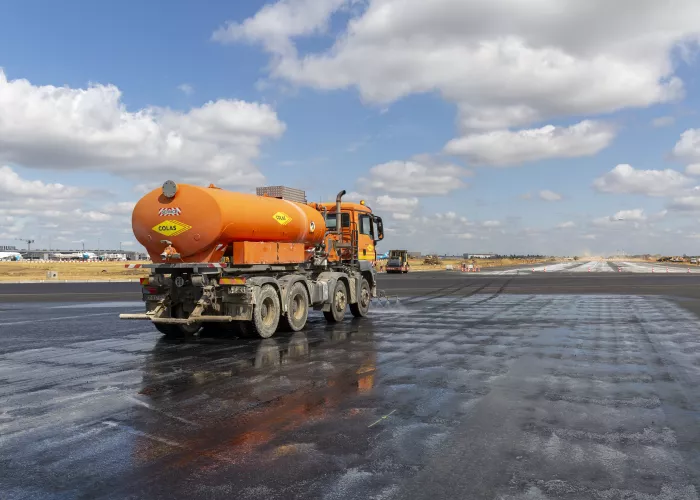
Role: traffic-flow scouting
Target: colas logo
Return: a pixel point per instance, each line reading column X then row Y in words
column 171, row 227
column 282, row 218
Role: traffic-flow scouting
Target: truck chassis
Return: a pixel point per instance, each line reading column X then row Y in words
column 255, row 300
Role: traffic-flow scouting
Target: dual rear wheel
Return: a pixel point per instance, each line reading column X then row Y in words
column 340, row 302
column 267, row 313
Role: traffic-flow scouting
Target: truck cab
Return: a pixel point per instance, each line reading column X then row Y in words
column 358, row 224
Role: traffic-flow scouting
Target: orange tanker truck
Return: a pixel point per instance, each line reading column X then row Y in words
column 251, row 264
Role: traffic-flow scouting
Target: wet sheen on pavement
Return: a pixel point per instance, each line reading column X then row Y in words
column 449, row 395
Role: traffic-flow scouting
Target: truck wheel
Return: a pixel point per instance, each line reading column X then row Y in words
column 189, row 330
column 361, row 308
column 297, row 308
column 192, row 329
column 185, row 330
column 339, row 301
column 169, row 331
column 266, row 313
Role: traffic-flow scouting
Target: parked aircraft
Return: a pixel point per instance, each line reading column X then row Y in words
column 10, row 256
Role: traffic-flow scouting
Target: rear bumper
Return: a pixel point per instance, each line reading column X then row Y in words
column 179, row 321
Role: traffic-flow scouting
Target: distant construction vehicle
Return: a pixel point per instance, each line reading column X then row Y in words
column 432, row 260
column 244, row 263
column 398, row 261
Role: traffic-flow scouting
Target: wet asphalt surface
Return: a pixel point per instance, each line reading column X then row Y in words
column 498, row 387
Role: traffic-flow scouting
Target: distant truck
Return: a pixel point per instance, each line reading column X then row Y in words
column 398, row 261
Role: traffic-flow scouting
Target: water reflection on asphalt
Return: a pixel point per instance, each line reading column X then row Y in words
column 449, row 396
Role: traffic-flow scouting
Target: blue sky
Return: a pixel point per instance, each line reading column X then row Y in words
column 338, row 94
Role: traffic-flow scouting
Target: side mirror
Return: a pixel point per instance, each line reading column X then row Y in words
column 380, row 228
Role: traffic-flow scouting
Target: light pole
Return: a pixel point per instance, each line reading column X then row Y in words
column 620, row 219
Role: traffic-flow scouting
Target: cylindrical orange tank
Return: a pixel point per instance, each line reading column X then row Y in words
column 200, row 222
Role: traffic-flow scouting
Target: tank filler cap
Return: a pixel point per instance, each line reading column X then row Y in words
column 169, row 189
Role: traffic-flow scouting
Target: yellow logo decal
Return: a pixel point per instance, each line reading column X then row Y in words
column 171, row 227
column 282, row 218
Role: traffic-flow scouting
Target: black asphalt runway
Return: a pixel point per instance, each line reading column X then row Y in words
column 79, row 292
column 405, row 285
column 539, row 386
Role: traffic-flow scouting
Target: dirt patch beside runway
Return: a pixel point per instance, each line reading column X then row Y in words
column 28, row 270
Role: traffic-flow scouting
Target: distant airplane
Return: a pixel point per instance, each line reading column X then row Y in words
column 10, row 256
column 383, row 256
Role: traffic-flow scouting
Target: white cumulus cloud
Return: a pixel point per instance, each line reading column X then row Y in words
column 636, row 214
column 693, row 169
column 566, row 225
column 186, row 88
column 541, row 59
column 548, row 195
column 14, row 186
column 274, row 25
column 688, row 203
column 621, row 217
column 91, row 128
column 391, row 204
column 120, row 208
column 688, row 146
column 506, row 147
column 420, row 176
column 626, row 179
column 44, row 211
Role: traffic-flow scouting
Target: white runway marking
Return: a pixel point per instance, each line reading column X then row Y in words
column 601, row 266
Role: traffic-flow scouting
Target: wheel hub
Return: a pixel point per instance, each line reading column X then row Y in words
column 296, row 307
column 340, row 301
column 364, row 298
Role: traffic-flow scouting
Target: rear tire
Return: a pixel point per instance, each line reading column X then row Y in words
column 266, row 313
column 361, row 308
column 297, row 308
column 338, row 304
column 169, row 331
column 186, row 330
column 192, row 329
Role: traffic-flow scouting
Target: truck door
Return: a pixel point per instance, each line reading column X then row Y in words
column 366, row 238
column 346, row 229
